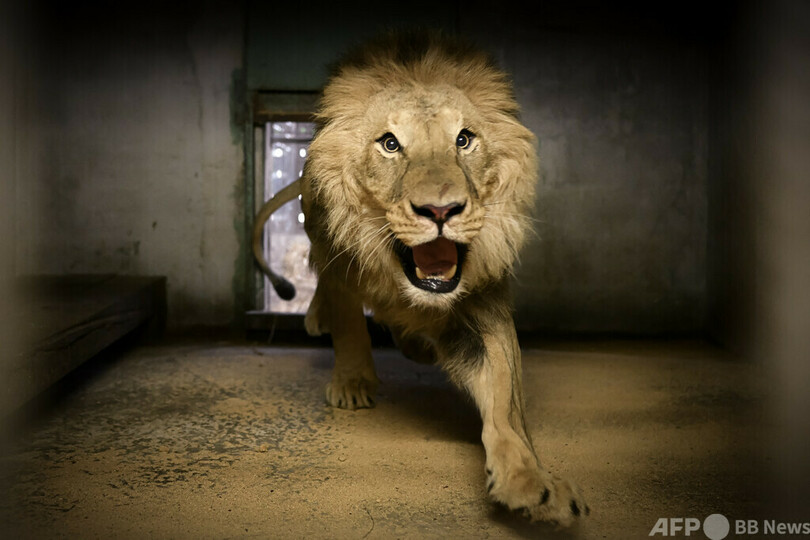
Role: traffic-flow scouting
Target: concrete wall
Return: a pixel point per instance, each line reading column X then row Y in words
column 8, row 72
column 759, row 262
column 142, row 165
column 622, row 125
column 21, row 150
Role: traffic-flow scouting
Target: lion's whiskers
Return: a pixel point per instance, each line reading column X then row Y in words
column 333, row 259
column 514, row 215
column 376, row 237
column 381, row 238
column 357, row 242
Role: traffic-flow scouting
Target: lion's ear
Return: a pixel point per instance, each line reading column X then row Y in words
column 515, row 172
column 516, row 164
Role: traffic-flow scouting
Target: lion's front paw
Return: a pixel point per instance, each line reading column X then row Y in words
column 351, row 393
column 538, row 495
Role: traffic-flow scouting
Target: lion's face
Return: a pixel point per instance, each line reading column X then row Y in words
column 425, row 188
column 423, row 161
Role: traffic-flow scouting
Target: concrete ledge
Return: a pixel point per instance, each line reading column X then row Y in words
column 59, row 322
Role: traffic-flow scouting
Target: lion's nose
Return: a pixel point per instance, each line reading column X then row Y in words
column 438, row 214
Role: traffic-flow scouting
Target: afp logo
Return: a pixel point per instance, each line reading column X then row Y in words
column 715, row 527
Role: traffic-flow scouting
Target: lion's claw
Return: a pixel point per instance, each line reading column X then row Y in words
column 351, row 394
column 538, row 496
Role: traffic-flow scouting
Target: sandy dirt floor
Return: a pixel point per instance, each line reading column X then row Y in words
column 234, row 440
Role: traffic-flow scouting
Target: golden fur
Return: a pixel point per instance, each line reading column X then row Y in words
column 418, row 145
column 357, row 190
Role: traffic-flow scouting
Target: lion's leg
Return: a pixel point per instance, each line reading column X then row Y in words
column 354, row 380
column 317, row 317
column 515, row 478
column 414, row 347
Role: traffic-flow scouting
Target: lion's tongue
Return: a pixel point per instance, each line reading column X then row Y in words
column 436, row 259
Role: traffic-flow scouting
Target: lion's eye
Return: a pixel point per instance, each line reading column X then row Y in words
column 389, row 143
column 464, row 139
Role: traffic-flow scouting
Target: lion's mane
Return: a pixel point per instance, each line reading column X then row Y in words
column 347, row 224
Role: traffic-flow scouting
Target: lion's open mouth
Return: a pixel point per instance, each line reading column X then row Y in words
column 434, row 266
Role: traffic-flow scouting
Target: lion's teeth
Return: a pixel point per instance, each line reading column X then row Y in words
column 447, row 276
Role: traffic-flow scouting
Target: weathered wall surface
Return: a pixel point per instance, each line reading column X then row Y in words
column 142, row 167
column 759, row 227
column 8, row 72
column 9, row 69
column 22, row 146
column 622, row 125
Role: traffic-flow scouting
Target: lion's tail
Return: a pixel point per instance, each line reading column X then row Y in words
column 284, row 288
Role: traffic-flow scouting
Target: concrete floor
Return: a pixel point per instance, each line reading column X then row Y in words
column 226, row 440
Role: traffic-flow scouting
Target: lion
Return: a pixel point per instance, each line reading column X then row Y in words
column 416, row 193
